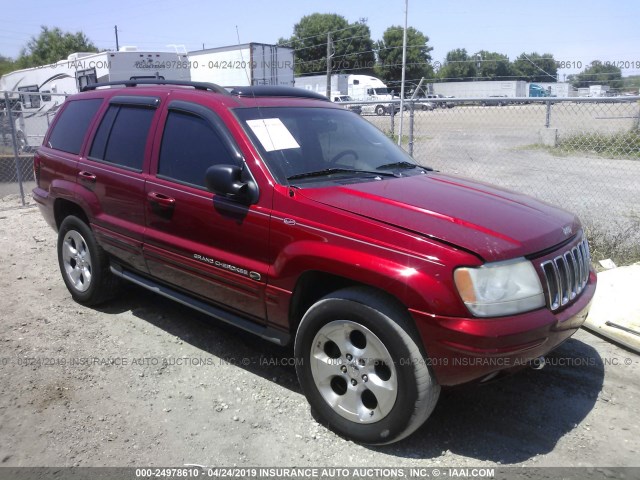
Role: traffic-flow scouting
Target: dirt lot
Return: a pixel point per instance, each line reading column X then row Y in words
column 143, row 381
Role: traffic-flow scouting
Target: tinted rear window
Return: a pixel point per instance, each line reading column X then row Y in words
column 122, row 136
column 70, row 129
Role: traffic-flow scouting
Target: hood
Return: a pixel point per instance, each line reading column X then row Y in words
column 493, row 223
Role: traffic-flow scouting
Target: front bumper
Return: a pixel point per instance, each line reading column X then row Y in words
column 461, row 350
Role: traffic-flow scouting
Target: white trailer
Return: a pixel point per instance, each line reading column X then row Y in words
column 598, row 90
column 482, row 89
column 358, row 87
column 559, row 89
column 38, row 92
column 243, row 65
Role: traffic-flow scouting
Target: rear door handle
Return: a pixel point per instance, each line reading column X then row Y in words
column 161, row 199
column 87, row 176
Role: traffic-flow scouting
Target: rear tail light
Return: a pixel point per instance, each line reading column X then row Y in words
column 36, row 168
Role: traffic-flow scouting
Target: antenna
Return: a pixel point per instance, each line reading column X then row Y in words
column 248, row 64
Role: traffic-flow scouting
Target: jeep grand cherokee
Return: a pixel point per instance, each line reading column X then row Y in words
column 285, row 215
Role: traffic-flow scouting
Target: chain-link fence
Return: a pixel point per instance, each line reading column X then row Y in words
column 579, row 153
column 24, row 119
column 582, row 154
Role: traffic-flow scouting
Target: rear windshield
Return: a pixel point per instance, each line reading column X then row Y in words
column 297, row 140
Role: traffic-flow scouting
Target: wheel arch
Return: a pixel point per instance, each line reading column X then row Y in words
column 313, row 285
column 62, row 208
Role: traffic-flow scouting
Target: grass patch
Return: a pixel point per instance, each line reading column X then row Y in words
column 625, row 145
column 539, row 146
column 620, row 243
column 394, row 137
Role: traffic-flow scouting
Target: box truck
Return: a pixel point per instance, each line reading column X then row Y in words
column 243, row 65
column 33, row 113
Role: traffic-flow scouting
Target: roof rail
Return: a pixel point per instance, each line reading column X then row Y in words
column 274, row 91
column 158, row 81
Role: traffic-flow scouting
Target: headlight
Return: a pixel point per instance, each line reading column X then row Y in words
column 500, row 288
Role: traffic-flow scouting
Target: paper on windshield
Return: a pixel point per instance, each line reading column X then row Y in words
column 273, row 134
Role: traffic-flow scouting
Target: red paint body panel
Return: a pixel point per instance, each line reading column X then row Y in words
column 494, row 223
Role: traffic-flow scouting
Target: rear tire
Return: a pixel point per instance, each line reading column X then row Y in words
column 23, row 147
column 380, row 110
column 361, row 367
column 84, row 265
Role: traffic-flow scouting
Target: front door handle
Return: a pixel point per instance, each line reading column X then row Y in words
column 161, row 199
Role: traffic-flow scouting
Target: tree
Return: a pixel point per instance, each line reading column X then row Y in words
column 458, row 65
column 352, row 47
column 533, row 67
column 389, row 51
column 53, row 45
column 493, row 66
column 6, row 65
column 598, row 73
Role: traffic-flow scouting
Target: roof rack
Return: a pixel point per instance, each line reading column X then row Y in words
column 251, row 91
column 153, row 81
column 274, row 91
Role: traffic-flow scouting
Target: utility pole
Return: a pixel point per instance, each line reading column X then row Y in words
column 117, row 44
column 329, row 55
column 404, row 69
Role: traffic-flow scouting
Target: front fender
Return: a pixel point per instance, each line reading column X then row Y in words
column 420, row 284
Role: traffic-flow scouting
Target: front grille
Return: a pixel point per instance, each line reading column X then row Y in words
column 566, row 275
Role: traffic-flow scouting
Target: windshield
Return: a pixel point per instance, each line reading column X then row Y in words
column 295, row 141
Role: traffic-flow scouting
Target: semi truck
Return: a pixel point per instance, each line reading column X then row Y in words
column 536, row 90
column 243, row 65
column 559, row 89
column 36, row 93
column 358, row 87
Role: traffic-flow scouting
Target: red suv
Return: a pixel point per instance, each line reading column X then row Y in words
column 281, row 213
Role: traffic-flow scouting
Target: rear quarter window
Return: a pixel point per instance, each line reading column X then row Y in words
column 69, row 131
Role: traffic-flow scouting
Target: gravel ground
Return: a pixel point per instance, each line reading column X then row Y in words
column 142, row 381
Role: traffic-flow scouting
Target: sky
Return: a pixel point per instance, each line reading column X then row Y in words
column 574, row 31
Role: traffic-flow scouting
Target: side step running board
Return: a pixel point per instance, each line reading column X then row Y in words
column 268, row 333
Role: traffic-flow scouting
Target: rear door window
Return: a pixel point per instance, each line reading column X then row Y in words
column 122, row 136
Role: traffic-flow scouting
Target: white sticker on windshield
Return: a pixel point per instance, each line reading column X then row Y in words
column 272, row 133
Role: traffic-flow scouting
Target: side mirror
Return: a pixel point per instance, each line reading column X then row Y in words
column 227, row 180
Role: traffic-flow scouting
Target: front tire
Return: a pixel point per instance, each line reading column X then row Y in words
column 84, row 264
column 360, row 365
column 380, row 110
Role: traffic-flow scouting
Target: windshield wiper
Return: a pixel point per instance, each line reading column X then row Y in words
column 397, row 165
column 329, row 171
